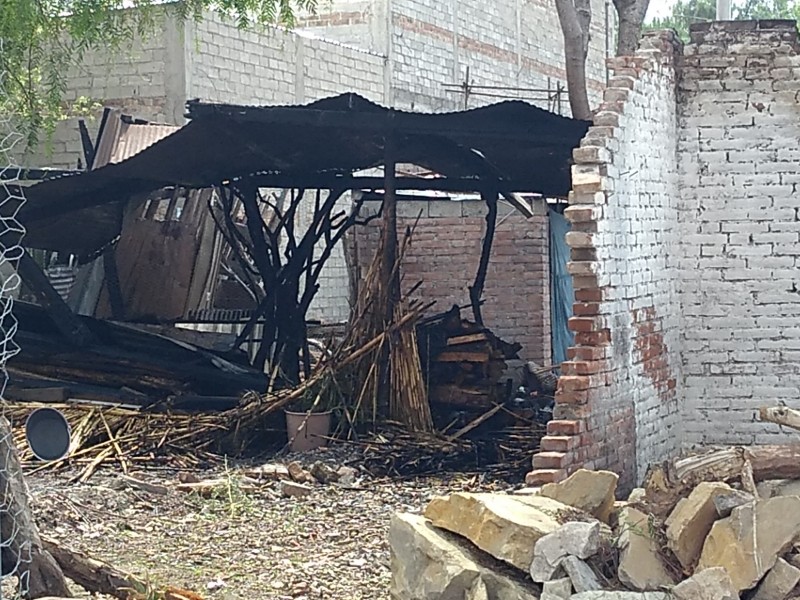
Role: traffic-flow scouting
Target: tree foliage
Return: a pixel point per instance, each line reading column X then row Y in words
column 686, row 12
column 41, row 39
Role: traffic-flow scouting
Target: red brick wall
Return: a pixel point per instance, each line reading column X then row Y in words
column 444, row 254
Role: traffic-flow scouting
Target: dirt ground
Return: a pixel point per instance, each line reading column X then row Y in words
column 239, row 544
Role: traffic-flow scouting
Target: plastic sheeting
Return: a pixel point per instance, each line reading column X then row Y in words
column 562, row 295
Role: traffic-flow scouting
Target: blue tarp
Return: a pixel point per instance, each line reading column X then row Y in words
column 562, row 295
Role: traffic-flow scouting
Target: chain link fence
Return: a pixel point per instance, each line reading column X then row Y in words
column 14, row 559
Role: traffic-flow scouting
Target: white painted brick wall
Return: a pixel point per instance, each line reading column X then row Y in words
column 740, row 123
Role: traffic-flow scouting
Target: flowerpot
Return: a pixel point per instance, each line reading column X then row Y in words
column 307, row 431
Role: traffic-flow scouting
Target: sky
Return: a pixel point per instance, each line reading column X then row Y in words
column 659, row 8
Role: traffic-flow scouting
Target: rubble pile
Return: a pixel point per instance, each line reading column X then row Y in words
column 573, row 540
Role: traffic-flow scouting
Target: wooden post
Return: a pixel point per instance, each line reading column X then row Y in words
column 391, row 276
column 67, row 322
column 22, row 549
column 476, row 289
column 113, row 287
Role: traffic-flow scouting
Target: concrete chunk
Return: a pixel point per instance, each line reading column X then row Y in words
column 558, row 589
column 580, row 574
column 505, row 526
column 576, row 539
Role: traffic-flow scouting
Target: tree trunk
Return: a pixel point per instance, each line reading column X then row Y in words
column 631, row 15
column 667, row 483
column 575, row 20
column 101, row 578
column 22, row 550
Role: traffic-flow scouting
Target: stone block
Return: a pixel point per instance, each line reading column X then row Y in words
column 709, row 584
column 590, row 491
column 691, row 520
column 779, row 582
column 430, row 564
column 747, row 544
column 640, row 565
column 505, row 526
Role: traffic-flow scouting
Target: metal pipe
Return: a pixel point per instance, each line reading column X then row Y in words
column 723, row 10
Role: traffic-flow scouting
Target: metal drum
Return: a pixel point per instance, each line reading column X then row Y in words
column 48, row 434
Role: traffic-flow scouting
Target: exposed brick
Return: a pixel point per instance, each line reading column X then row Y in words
column 559, row 443
column 556, row 427
column 540, row 477
column 551, row 460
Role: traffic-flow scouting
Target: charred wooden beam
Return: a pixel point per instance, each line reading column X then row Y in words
column 66, row 321
column 476, row 289
column 112, row 282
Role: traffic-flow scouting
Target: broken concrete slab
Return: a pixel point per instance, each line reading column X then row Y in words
column 691, row 520
column 431, row 564
column 725, row 502
column 557, row 589
column 580, row 574
column 640, row 566
column 781, row 579
column 505, row 526
column 576, row 539
column 710, row 584
column 747, row 544
column 590, row 491
column 607, row 595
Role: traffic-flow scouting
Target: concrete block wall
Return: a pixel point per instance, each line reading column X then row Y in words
column 430, row 43
column 740, row 257
column 144, row 78
column 507, row 43
column 617, row 405
column 215, row 61
column 275, row 66
column 444, row 254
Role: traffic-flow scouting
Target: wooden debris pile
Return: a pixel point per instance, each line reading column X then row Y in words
column 464, row 362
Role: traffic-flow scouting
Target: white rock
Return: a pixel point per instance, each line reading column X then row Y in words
column 295, row 490
column 558, row 589
column 574, row 538
column 580, row 574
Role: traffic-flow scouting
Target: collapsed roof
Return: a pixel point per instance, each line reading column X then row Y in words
column 512, row 145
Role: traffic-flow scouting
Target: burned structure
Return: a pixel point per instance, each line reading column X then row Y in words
column 227, row 186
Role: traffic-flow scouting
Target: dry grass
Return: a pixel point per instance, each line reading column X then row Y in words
column 237, row 544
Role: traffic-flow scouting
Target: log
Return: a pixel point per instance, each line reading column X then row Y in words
column 667, row 483
column 780, row 415
column 101, row 578
column 22, row 548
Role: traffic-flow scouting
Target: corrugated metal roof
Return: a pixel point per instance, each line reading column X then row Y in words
column 136, row 137
column 514, row 143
